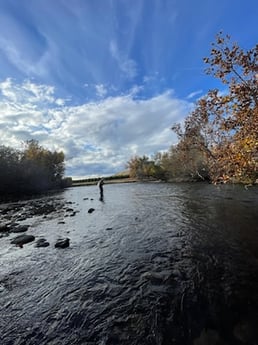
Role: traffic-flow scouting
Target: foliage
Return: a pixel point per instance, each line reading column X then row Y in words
column 41, row 165
column 31, row 170
column 144, row 168
column 182, row 164
column 219, row 138
column 227, row 122
column 175, row 164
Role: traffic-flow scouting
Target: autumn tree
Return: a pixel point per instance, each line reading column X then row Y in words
column 33, row 169
column 184, row 162
column 42, row 167
column 144, row 168
column 166, row 161
column 228, row 121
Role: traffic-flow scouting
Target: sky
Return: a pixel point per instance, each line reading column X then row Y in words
column 104, row 80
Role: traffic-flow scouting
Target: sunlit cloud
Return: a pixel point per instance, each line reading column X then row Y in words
column 104, row 133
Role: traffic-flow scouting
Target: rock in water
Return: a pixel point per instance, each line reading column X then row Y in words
column 42, row 242
column 19, row 228
column 4, row 228
column 22, row 239
column 62, row 243
column 90, row 210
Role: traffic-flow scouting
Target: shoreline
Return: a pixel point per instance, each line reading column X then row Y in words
column 92, row 183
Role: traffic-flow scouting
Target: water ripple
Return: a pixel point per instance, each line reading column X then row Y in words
column 153, row 264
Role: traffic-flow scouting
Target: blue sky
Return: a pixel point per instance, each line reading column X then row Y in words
column 104, row 80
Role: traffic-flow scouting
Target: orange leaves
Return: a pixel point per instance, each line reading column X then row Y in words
column 229, row 122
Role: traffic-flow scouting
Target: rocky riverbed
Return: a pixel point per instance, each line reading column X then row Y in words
column 19, row 217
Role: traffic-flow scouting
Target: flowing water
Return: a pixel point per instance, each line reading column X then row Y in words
column 153, row 264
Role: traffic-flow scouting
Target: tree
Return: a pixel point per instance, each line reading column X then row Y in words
column 144, row 168
column 31, row 170
column 228, row 122
column 42, row 167
column 9, row 166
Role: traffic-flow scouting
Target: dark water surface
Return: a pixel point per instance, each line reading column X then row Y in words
column 153, row 264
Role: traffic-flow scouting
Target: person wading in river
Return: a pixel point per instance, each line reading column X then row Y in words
column 100, row 185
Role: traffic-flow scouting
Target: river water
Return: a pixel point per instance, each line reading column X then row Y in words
column 153, row 264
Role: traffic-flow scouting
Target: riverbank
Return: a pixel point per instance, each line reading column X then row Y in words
column 113, row 181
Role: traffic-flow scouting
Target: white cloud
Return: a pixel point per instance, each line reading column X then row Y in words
column 97, row 137
column 31, row 92
column 60, row 101
column 100, row 90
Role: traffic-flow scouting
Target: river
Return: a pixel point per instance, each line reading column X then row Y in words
column 154, row 263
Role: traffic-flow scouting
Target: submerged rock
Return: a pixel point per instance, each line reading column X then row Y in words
column 22, row 239
column 42, row 242
column 90, row 210
column 4, row 228
column 44, row 209
column 62, row 243
column 19, row 228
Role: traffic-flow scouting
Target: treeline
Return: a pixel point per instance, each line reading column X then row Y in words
column 219, row 139
column 96, row 179
column 31, row 170
column 173, row 165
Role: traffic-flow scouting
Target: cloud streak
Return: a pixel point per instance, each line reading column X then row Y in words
column 127, row 66
column 194, row 94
